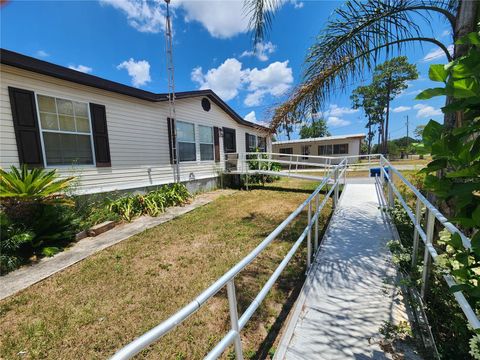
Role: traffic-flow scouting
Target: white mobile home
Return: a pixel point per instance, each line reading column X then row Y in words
column 113, row 136
column 332, row 146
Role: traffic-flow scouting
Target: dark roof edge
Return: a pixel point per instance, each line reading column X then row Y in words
column 29, row 63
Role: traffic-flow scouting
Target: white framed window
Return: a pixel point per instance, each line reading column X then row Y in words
column 186, row 141
column 206, row 142
column 66, row 131
column 305, row 151
column 262, row 143
column 251, row 143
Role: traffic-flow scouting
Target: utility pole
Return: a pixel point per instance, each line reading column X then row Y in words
column 406, row 147
column 171, row 94
column 407, row 127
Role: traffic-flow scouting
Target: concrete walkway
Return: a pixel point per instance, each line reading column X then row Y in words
column 28, row 275
column 349, row 292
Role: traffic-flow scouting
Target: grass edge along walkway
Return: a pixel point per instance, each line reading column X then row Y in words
column 28, row 275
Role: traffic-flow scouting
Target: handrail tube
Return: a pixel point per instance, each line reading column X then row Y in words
column 268, row 285
column 461, row 300
column 410, row 213
column 222, row 345
column 464, row 305
column 321, row 165
column 440, row 217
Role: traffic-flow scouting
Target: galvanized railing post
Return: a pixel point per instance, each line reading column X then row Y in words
column 427, row 260
column 391, row 199
column 232, row 304
column 416, row 235
column 382, row 171
column 317, row 212
column 309, row 236
column 335, row 192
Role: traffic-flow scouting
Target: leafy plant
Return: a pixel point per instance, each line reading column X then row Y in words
column 456, row 158
column 13, row 237
column 22, row 190
column 33, row 185
column 153, row 203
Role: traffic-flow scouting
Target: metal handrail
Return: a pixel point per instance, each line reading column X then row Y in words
column 227, row 280
column 427, row 236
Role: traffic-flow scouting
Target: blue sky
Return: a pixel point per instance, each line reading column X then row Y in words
column 123, row 40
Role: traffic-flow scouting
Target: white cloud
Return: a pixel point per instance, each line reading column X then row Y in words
column 401, row 109
column 262, row 51
column 227, row 79
column 274, row 80
column 297, row 4
column 335, row 121
column 411, row 92
column 222, row 19
column 41, row 53
column 338, row 111
column 144, row 16
column 426, row 111
column 438, row 53
column 81, row 68
column 251, row 116
column 138, row 70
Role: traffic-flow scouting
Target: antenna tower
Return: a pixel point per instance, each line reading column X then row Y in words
column 171, row 93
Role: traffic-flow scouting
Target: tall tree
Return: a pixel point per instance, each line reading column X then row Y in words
column 366, row 97
column 356, row 37
column 389, row 80
column 317, row 128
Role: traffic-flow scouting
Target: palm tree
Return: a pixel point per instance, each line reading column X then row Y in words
column 356, row 38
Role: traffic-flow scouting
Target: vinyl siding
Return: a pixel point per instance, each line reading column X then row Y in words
column 137, row 131
column 353, row 147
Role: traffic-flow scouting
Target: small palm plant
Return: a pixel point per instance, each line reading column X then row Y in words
column 22, row 189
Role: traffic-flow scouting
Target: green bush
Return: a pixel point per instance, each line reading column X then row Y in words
column 37, row 217
column 254, row 164
column 152, row 203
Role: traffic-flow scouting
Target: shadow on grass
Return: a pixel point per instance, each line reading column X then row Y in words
column 285, row 189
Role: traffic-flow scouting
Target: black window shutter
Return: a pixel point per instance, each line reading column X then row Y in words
column 247, row 145
column 100, row 135
column 216, row 142
column 171, row 140
column 25, row 123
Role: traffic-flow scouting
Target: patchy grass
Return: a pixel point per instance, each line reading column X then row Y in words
column 100, row 304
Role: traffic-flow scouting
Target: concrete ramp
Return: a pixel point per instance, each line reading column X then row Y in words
column 349, row 292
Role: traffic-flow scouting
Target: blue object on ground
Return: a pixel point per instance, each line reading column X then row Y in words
column 376, row 171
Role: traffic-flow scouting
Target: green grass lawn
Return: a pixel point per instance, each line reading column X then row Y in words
column 93, row 308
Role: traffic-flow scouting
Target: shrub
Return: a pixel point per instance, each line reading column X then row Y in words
column 12, row 238
column 23, row 190
column 37, row 217
column 152, row 203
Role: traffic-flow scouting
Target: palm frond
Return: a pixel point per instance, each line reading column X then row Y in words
column 355, row 39
column 260, row 14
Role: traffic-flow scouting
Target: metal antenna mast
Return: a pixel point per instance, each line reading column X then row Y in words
column 171, row 94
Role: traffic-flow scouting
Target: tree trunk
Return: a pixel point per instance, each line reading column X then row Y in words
column 387, row 118
column 465, row 22
column 369, row 137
